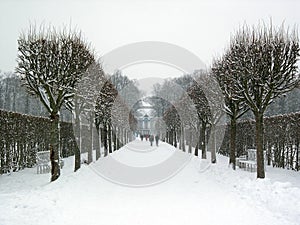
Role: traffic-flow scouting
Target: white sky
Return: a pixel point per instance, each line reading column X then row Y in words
column 202, row 27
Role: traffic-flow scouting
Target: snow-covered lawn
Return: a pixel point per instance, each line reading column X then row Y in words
column 199, row 194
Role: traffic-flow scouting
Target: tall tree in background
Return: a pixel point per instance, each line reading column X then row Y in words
column 83, row 105
column 51, row 63
column 265, row 58
column 197, row 94
column 215, row 101
column 190, row 124
column 103, row 111
column 172, row 120
column 10, row 86
column 234, row 107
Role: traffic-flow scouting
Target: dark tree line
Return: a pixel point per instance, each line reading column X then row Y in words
column 15, row 98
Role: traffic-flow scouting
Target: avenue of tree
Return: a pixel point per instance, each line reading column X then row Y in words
column 248, row 81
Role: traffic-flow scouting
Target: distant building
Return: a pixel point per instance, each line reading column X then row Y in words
column 144, row 125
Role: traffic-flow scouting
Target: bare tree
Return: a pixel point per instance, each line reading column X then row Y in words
column 189, row 122
column 83, row 105
column 265, row 58
column 172, row 120
column 51, row 63
column 103, row 110
column 214, row 96
column 234, row 107
column 201, row 103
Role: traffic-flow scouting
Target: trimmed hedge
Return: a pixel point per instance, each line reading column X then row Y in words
column 22, row 136
column 281, row 139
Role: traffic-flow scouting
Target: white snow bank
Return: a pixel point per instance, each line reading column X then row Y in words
column 200, row 193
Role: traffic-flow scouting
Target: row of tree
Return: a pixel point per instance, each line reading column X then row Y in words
column 22, row 136
column 194, row 118
column 281, row 138
column 259, row 66
column 61, row 69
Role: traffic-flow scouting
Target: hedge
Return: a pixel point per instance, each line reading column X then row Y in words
column 22, row 136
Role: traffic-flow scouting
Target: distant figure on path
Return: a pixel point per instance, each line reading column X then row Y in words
column 156, row 139
column 147, row 137
column 141, row 136
column 151, row 139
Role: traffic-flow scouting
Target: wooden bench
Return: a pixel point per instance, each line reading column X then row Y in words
column 248, row 165
column 43, row 162
column 248, row 162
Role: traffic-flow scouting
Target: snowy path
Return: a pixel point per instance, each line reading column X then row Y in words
column 198, row 194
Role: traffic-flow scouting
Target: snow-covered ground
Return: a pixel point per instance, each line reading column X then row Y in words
column 199, row 194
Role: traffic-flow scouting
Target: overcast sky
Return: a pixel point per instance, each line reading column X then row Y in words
column 202, row 27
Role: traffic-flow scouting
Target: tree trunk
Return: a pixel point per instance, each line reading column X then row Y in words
column 109, row 139
column 259, row 145
column 115, row 139
column 167, row 137
column 232, row 142
column 269, row 154
column 90, row 148
column 183, row 138
column 124, row 137
column 175, row 139
column 292, row 155
column 171, row 137
column 8, row 153
column 54, row 151
column 78, row 141
column 196, row 149
column 105, row 140
column 190, row 141
column 213, row 144
column 98, row 144
column 180, row 138
column 2, row 154
column 297, row 155
column 203, row 140
column 118, row 139
column 20, row 160
column 121, row 138
column 282, row 150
